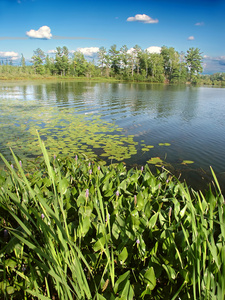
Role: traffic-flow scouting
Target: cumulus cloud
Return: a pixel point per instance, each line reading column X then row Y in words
column 199, row 24
column 9, row 55
column 219, row 59
column 213, row 64
column 88, row 51
column 51, row 51
column 130, row 51
column 142, row 18
column 43, row 32
column 191, row 38
column 154, row 49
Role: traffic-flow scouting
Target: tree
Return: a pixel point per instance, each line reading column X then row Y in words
column 124, row 56
column 49, row 65
column 131, row 60
column 137, row 54
column 171, row 61
column 102, row 58
column 114, row 55
column 91, row 70
column 65, row 60
column 62, row 60
column 23, row 63
column 179, row 74
column 80, row 64
column 38, row 60
column 194, row 63
column 144, row 63
column 156, row 67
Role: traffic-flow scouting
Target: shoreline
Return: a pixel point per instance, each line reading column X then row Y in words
column 98, row 80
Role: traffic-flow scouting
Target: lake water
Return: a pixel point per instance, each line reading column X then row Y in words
column 183, row 123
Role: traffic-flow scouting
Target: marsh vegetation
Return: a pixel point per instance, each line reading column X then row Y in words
column 75, row 229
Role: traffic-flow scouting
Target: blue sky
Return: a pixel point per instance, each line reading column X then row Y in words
column 26, row 25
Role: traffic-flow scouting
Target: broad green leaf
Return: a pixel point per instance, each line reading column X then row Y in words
column 63, row 185
column 153, row 220
column 150, row 279
column 127, row 293
column 100, row 244
column 123, row 255
column 10, row 263
column 100, row 297
column 10, row 290
column 115, row 231
column 170, row 271
column 121, row 282
column 85, row 225
column 140, row 202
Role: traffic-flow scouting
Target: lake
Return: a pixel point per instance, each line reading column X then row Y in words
column 179, row 127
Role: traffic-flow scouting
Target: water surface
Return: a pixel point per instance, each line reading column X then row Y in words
column 190, row 119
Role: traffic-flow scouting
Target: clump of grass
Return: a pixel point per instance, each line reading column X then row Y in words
column 74, row 229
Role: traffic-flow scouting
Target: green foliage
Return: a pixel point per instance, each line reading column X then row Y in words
column 171, row 62
column 75, row 229
column 217, row 79
column 114, row 56
column 38, row 60
column 124, row 64
column 194, row 63
column 62, row 60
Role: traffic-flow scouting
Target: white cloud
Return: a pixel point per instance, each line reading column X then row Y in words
column 51, row 51
column 199, row 24
column 191, row 38
column 9, row 54
column 88, row 51
column 154, row 49
column 220, row 59
column 213, row 64
column 143, row 19
column 43, row 32
column 130, row 51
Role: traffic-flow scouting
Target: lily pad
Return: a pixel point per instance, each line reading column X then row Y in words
column 155, row 161
column 186, row 162
column 164, row 144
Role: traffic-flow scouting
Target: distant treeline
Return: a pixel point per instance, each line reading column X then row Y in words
column 135, row 64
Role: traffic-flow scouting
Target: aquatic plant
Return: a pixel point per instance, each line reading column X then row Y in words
column 111, row 234
column 67, row 132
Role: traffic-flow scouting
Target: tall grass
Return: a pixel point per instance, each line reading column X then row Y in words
column 73, row 229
